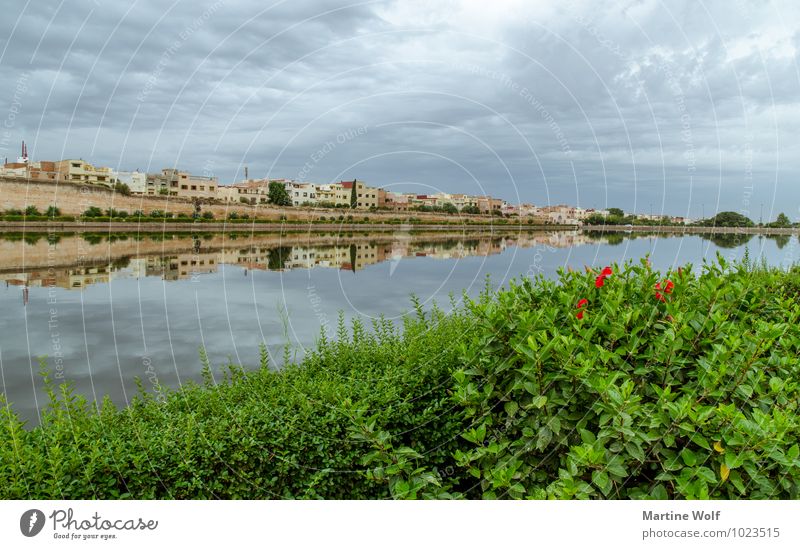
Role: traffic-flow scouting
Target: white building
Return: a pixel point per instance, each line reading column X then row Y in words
column 302, row 194
column 136, row 181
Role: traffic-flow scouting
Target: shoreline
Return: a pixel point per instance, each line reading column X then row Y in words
column 280, row 227
column 262, row 227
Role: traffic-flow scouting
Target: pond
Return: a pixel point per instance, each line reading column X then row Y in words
column 107, row 309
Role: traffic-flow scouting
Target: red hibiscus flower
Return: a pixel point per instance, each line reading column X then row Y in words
column 601, row 280
column 668, row 285
column 581, row 304
column 660, row 297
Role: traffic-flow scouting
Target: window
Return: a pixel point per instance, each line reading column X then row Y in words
column 184, row 187
column 202, row 188
column 194, row 187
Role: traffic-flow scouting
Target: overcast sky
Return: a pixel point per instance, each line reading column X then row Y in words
column 663, row 106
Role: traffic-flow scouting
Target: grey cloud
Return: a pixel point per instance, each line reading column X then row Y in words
column 622, row 100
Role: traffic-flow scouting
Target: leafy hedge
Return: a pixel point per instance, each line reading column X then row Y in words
column 625, row 383
column 667, row 386
column 263, row 434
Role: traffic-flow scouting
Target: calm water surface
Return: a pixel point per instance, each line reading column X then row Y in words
column 107, row 311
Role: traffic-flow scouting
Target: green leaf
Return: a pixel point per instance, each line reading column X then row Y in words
column 539, row 401
column 688, row 457
column 601, row 480
column 511, row 407
column 706, row 474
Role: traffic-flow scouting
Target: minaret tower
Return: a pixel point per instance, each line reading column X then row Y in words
column 24, row 158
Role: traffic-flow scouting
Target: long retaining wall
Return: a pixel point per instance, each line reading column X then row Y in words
column 277, row 227
column 687, row 229
column 74, row 199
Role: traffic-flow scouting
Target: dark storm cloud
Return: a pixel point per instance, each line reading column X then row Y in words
column 679, row 105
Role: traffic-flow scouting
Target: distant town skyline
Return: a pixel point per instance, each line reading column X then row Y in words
column 672, row 109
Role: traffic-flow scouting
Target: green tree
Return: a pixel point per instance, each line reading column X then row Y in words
column 32, row 211
column 616, row 212
column 470, row 209
column 449, row 208
column 122, row 188
column 728, row 219
column 52, row 211
column 354, row 194
column 93, row 211
column 277, row 194
column 595, row 219
column 781, row 222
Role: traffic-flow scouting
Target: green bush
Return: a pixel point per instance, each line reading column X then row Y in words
column 262, row 434
column 687, row 393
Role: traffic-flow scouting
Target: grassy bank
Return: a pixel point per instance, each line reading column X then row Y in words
column 636, row 384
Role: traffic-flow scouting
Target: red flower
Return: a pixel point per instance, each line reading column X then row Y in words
column 600, row 280
column 668, row 286
column 581, row 303
column 579, row 316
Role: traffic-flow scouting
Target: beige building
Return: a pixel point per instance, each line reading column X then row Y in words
column 397, row 201
column 80, row 171
column 487, row 204
column 328, row 195
column 252, row 191
column 177, row 183
column 227, row 193
column 366, row 197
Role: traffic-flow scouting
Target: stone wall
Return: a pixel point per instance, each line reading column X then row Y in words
column 74, row 199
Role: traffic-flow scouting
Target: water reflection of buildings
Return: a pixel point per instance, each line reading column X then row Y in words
column 353, row 256
column 179, row 267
